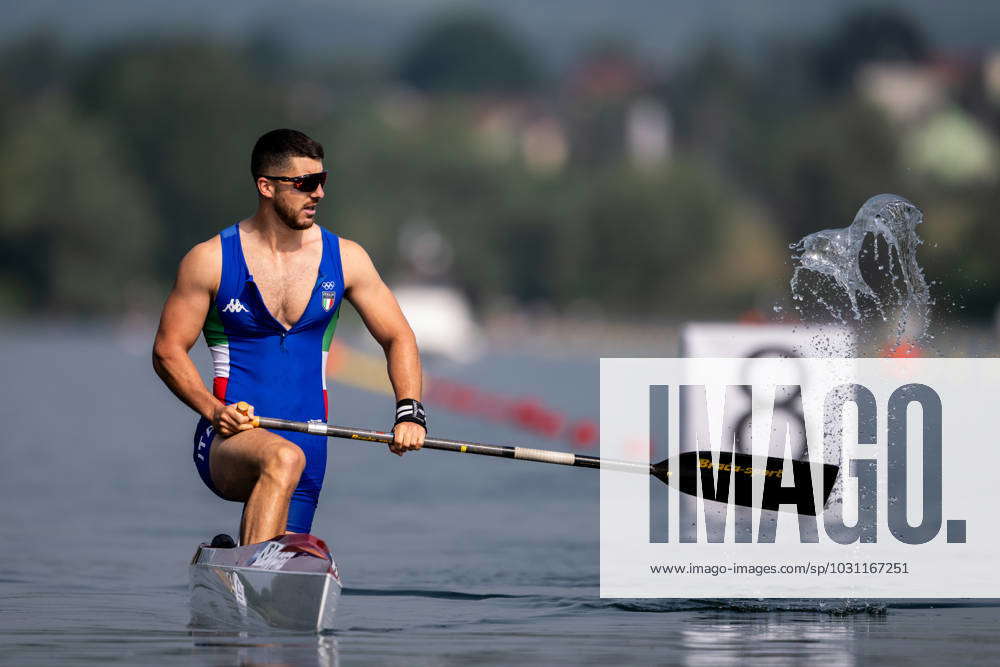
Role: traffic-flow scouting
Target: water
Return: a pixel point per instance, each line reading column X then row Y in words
column 446, row 559
column 838, row 254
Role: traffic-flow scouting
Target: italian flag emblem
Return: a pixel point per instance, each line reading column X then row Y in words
column 328, row 299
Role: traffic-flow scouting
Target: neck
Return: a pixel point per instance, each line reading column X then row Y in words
column 272, row 233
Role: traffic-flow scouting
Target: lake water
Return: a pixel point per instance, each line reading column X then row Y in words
column 445, row 559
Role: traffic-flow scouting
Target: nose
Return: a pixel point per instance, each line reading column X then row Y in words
column 318, row 193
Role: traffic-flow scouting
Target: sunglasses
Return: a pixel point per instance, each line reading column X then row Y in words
column 307, row 183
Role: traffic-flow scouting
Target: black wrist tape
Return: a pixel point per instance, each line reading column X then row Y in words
column 410, row 410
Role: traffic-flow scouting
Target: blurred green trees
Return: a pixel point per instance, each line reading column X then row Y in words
column 612, row 187
column 467, row 53
column 864, row 36
column 77, row 227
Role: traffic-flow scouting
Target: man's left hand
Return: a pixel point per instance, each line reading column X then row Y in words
column 407, row 436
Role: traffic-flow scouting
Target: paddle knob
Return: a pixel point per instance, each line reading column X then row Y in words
column 244, row 409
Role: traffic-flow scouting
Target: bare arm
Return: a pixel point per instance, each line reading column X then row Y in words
column 180, row 324
column 381, row 314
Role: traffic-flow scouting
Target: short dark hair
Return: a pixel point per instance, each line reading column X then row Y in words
column 273, row 149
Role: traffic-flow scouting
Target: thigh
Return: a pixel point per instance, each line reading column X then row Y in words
column 236, row 462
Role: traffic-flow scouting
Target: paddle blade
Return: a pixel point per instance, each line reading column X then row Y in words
column 682, row 471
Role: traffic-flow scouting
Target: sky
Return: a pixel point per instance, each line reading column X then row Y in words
column 661, row 30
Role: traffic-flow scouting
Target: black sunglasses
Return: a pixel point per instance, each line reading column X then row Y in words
column 307, row 183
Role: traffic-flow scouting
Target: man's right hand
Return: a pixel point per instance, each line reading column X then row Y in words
column 228, row 421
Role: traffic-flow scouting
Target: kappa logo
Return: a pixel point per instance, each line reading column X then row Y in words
column 234, row 306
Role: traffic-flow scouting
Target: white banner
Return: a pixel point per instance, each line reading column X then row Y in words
column 800, row 477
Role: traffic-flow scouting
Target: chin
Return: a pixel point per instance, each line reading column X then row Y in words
column 300, row 225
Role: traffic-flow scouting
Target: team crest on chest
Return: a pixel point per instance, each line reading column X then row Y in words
column 329, row 298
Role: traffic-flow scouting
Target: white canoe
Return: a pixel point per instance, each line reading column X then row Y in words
column 289, row 582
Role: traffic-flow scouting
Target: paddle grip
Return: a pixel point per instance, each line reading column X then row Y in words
column 244, row 409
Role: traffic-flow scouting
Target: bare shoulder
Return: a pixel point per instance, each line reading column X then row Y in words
column 202, row 265
column 351, row 249
column 357, row 265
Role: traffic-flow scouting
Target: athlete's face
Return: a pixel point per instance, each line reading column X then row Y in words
column 295, row 208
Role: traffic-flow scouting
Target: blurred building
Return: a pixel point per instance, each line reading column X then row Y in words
column 906, row 93
column 991, row 78
column 649, row 133
column 438, row 312
column 441, row 319
column 939, row 139
column 608, row 74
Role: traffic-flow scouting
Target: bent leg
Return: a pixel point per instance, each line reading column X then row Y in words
column 261, row 469
column 302, row 507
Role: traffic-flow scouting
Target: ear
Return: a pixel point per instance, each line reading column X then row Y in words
column 265, row 188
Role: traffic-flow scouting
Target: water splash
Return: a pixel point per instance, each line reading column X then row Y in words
column 837, row 254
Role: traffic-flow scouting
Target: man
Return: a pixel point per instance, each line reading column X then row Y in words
column 267, row 293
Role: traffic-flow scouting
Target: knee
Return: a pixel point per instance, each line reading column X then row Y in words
column 285, row 462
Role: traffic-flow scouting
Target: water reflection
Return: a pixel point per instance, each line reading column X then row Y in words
column 245, row 649
column 774, row 638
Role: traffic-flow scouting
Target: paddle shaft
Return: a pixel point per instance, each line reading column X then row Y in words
column 500, row 451
column 690, row 464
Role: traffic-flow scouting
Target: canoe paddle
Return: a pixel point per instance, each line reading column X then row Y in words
column 679, row 471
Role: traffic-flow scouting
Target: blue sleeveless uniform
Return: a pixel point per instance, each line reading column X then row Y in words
column 281, row 372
